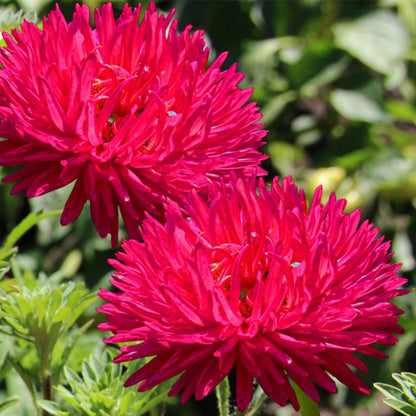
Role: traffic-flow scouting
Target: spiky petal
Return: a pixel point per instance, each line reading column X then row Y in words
column 258, row 281
column 129, row 111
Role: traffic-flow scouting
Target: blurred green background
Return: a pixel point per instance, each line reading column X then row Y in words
column 336, row 82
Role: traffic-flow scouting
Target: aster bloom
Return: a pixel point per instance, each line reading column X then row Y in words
column 129, row 111
column 256, row 281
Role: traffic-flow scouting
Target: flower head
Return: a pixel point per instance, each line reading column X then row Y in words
column 129, row 111
column 257, row 281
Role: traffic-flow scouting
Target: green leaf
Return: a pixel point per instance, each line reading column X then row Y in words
column 68, row 396
column 72, row 378
column 401, row 407
column 356, row 106
column 30, row 221
column 389, row 391
column 7, row 254
column 408, row 385
column 69, row 266
column 62, row 314
column 378, row 39
column 320, row 64
column 20, row 329
column 402, row 398
column 82, row 299
column 100, row 391
column 8, row 403
column 276, row 105
column 308, row 407
column 285, row 156
column 51, row 407
column 401, row 110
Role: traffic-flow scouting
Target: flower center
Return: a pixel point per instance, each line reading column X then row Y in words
column 222, row 266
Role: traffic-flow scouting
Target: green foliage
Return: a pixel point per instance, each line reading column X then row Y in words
column 39, row 316
column 333, row 93
column 99, row 391
column 43, row 314
column 8, row 249
column 4, row 405
column 402, row 398
column 378, row 39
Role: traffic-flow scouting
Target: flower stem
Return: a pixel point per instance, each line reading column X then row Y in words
column 259, row 399
column 308, row 407
column 223, row 393
column 47, row 390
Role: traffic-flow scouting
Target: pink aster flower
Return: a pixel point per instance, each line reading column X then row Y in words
column 255, row 281
column 129, row 111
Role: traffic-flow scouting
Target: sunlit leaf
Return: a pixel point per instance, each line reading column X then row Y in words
column 355, row 106
column 402, row 398
column 378, row 39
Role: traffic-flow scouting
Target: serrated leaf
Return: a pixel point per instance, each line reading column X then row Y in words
column 67, row 396
column 83, row 300
column 73, row 378
column 96, row 368
column 87, row 375
column 100, row 389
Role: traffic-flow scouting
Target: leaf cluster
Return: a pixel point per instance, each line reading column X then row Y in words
column 99, row 391
column 402, row 398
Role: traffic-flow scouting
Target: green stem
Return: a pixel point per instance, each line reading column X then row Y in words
column 259, row 399
column 43, row 349
column 47, row 390
column 308, row 407
column 223, row 393
column 26, row 379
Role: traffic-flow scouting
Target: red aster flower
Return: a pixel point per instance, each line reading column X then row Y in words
column 130, row 112
column 257, row 281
